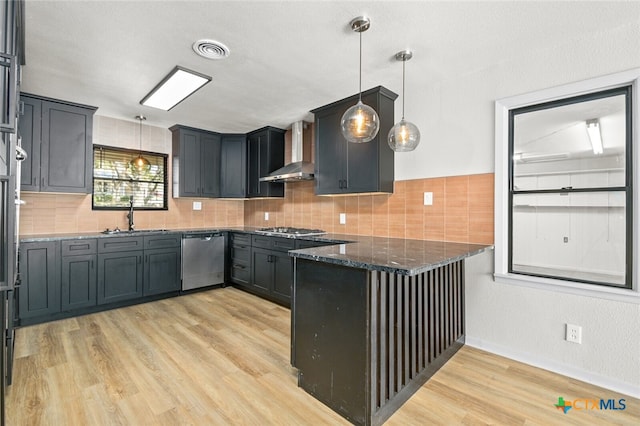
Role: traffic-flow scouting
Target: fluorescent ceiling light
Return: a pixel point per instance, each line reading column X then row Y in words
column 593, row 130
column 530, row 157
column 174, row 88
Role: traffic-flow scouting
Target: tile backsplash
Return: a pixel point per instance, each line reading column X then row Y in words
column 64, row 213
column 462, row 210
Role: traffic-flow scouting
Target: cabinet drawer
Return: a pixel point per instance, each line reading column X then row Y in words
column 79, row 247
column 115, row 244
column 240, row 253
column 241, row 240
column 273, row 243
column 162, row 241
column 240, row 274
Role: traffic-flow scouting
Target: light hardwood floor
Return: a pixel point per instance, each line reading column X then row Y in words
column 221, row 357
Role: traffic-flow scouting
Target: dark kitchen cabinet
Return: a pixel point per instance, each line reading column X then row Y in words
column 120, row 269
column 79, row 277
column 196, row 162
column 60, row 140
column 39, row 291
column 29, row 128
column 240, row 259
column 233, row 167
column 272, row 268
column 265, row 154
column 345, row 168
column 161, row 264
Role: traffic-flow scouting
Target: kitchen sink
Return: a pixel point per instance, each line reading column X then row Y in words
column 138, row 231
column 135, row 231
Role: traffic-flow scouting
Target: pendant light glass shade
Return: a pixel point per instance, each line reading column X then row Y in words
column 140, row 163
column 403, row 136
column 360, row 123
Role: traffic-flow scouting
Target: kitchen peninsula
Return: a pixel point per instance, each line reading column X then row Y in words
column 372, row 320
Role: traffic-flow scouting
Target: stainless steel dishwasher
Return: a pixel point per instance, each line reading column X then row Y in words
column 202, row 259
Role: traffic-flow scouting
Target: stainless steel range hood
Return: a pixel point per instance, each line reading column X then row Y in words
column 297, row 169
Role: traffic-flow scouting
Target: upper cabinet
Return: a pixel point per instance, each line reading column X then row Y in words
column 233, row 166
column 208, row 164
column 346, row 168
column 196, row 162
column 57, row 136
column 265, row 154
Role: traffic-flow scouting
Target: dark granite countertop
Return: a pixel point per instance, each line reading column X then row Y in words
column 393, row 255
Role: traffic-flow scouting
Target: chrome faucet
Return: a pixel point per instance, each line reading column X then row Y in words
column 130, row 214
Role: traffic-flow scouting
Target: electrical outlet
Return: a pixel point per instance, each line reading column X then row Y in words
column 343, row 218
column 266, row 215
column 428, row 198
column 197, row 205
column 574, row 334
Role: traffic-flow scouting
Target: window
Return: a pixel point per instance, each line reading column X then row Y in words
column 116, row 181
column 565, row 185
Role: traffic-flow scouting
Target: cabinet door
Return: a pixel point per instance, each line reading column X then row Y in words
column 261, row 270
column 119, row 276
column 39, row 292
column 282, row 275
column 66, row 150
column 190, row 163
column 161, row 271
column 210, row 165
column 79, row 281
column 233, row 166
column 330, row 153
column 29, row 131
column 255, row 144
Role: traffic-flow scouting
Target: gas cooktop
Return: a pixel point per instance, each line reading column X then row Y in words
column 291, row 232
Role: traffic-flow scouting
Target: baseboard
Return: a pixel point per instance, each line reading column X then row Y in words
column 556, row 367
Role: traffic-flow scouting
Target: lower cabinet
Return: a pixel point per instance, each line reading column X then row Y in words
column 240, row 259
column 63, row 278
column 261, row 264
column 161, row 271
column 78, row 284
column 119, row 276
column 39, row 291
column 271, row 267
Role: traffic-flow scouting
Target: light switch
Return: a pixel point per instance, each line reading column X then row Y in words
column 428, row 198
column 197, row 205
column 343, row 218
column 266, row 215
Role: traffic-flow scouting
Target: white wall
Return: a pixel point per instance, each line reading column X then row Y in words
column 529, row 325
column 456, row 119
column 456, row 116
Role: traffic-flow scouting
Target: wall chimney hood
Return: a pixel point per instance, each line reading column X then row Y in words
column 297, row 169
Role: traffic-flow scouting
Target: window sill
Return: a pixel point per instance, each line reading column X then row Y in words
column 559, row 286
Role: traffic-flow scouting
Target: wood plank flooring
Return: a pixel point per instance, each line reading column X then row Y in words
column 221, row 357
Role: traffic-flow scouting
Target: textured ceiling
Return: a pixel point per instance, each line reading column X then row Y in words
column 287, row 57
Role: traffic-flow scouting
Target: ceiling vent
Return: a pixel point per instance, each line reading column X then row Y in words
column 211, row 49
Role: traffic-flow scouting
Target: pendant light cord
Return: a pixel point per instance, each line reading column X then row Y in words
column 360, row 72
column 403, row 63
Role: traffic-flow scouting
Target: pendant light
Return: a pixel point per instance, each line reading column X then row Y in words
column 360, row 123
column 404, row 136
column 140, row 163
